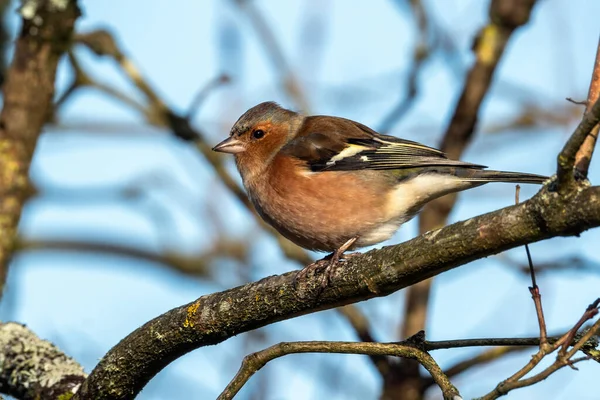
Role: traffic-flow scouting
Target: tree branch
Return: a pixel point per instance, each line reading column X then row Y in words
column 584, row 154
column 193, row 264
column 27, row 93
column 32, row 368
column 254, row 362
column 566, row 159
column 563, row 357
column 211, row 319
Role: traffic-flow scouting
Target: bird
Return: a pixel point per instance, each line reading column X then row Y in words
column 330, row 184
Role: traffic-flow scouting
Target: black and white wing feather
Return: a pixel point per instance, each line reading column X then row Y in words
column 336, row 144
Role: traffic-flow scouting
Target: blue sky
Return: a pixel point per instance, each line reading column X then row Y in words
column 356, row 68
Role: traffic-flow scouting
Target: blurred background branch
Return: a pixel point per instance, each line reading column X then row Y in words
column 27, row 91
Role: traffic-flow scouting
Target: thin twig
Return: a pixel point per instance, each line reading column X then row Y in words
column 534, row 289
column 254, row 362
column 566, row 158
column 193, row 264
column 590, row 312
column 593, row 331
column 585, row 152
column 504, row 389
column 204, row 92
column 562, row 359
column 577, row 102
column 484, row 342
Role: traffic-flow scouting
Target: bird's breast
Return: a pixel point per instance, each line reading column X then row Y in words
column 321, row 211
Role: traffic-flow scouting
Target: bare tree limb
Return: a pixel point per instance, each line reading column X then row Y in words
column 534, row 290
column 254, row 362
column 584, row 154
column 566, row 159
column 193, row 264
column 563, row 357
column 45, row 34
column 32, row 368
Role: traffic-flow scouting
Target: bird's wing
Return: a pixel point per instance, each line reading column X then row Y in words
column 337, row 144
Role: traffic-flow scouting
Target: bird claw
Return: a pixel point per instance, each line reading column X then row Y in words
column 329, row 265
column 315, row 267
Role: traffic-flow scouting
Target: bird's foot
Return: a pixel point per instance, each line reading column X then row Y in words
column 333, row 266
column 314, row 268
column 328, row 265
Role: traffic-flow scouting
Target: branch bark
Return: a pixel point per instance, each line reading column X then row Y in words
column 254, row 362
column 567, row 157
column 47, row 26
column 32, row 368
column 213, row 318
column 584, row 154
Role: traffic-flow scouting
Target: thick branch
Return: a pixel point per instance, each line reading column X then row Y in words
column 211, row 319
column 32, row 368
column 27, row 92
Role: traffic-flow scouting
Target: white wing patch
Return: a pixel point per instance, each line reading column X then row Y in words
column 349, row 151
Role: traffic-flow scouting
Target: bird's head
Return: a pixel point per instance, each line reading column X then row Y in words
column 258, row 135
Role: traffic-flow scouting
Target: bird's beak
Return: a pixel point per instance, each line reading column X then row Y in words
column 230, row 145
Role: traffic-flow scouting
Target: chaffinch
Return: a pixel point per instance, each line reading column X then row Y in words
column 332, row 184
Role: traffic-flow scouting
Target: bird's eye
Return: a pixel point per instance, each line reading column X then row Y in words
column 257, row 134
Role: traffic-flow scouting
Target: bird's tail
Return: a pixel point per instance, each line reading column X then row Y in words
column 485, row 176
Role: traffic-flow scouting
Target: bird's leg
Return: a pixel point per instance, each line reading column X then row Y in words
column 329, row 263
column 334, row 261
